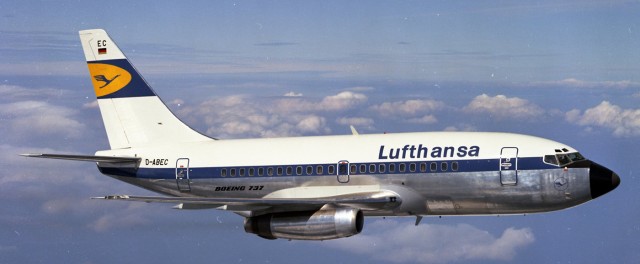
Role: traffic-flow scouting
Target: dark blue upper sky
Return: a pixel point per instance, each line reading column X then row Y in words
column 568, row 71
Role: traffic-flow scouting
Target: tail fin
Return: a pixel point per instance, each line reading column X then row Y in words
column 132, row 113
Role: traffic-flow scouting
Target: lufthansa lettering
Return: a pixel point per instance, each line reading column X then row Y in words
column 424, row 152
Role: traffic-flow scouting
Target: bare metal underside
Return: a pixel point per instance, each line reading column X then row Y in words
column 420, row 194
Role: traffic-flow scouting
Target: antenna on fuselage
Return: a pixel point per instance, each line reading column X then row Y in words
column 354, row 131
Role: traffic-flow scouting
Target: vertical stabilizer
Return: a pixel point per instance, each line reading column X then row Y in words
column 133, row 114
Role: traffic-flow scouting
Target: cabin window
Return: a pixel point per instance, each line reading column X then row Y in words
column 299, row 170
column 444, row 166
column 319, row 170
column 241, row 172
column 252, row 171
column 381, row 168
column 223, row 173
column 352, row 170
column 260, row 171
column 433, row 167
column 289, row 170
column 392, row 167
column 412, row 167
column 270, row 171
column 454, row 166
column 363, row 168
column 423, row 167
column 402, row 167
column 233, row 172
column 331, row 169
column 372, row 168
column 280, row 170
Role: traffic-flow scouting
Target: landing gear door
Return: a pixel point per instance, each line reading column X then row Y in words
column 343, row 171
column 182, row 175
column 509, row 166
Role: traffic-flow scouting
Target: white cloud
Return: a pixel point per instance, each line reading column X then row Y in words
column 293, row 94
column 130, row 217
column 245, row 116
column 461, row 127
column 501, row 106
column 572, row 82
column 91, row 105
column 37, row 172
column 408, row 108
column 415, row 111
column 311, row 124
column 339, row 102
column 427, row 119
column 622, row 122
column 19, row 92
column 355, row 121
column 361, row 89
column 342, row 101
column 112, row 215
column 25, row 119
column 428, row 243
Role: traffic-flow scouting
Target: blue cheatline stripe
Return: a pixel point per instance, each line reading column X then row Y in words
column 479, row 165
column 136, row 88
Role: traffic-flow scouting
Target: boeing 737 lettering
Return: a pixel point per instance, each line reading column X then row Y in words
column 322, row 187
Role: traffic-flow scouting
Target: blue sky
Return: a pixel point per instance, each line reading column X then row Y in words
column 567, row 71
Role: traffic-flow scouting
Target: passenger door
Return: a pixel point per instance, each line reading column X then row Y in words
column 343, row 171
column 509, row 166
column 182, row 175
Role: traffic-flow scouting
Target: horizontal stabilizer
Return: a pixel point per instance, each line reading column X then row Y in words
column 104, row 159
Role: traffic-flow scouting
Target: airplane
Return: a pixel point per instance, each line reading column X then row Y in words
column 322, row 187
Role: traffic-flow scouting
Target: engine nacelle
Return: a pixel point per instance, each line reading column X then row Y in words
column 307, row 225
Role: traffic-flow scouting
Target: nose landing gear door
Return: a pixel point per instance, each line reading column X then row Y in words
column 182, row 175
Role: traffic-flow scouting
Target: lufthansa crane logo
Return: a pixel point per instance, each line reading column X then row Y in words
column 561, row 184
column 108, row 78
column 102, row 78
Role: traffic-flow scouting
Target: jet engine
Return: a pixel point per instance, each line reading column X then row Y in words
column 323, row 224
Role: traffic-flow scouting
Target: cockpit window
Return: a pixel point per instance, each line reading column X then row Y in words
column 575, row 156
column 550, row 159
column 563, row 159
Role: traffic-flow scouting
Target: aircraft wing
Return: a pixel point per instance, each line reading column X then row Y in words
column 257, row 206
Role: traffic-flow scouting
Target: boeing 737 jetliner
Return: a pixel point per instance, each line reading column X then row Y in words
column 318, row 188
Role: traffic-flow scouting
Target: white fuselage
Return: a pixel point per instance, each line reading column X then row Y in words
column 437, row 173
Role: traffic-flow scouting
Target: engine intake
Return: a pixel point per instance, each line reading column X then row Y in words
column 323, row 224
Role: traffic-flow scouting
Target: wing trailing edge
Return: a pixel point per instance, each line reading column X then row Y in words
column 363, row 201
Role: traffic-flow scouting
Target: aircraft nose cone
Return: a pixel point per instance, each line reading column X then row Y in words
column 602, row 180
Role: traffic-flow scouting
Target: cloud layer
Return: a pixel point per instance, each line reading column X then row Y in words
column 389, row 240
column 622, row 122
column 503, row 107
